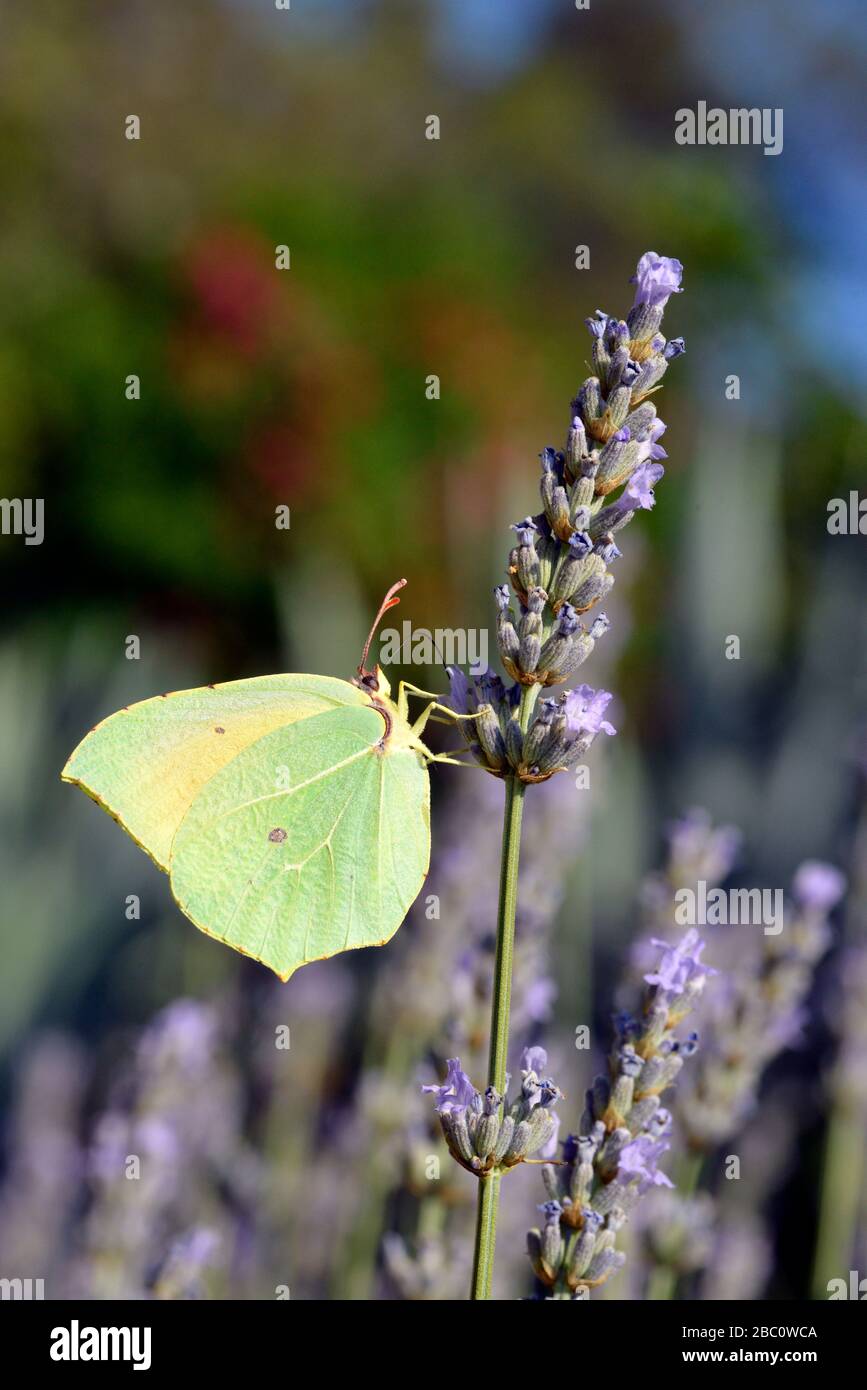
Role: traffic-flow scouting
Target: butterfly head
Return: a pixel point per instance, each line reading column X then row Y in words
column 376, row 682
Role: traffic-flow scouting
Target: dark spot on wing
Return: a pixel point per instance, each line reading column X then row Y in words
column 277, row 836
column 218, row 729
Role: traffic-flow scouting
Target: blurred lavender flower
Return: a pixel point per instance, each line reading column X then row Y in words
column 739, row 1260
column 161, row 1157
column 758, row 1011
column 678, row 1231
column 45, row 1163
column 818, row 886
column 698, row 851
column 182, row 1275
column 433, row 1268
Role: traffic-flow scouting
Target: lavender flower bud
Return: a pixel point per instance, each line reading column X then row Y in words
column 490, row 736
column 515, row 743
column 619, row 360
column 616, row 460
column 507, row 637
column 552, row 1240
column 652, row 371
column 639, row 420
column 486, row 1136
column 576, row 446
column 554, row 496
column 504, row 1141
column 588, row 403
column 616, row 413
column 527, row 559
column 604, row 1264
column 574, row 567
column 534, row 1250
column 585, row 1246
column 595, row 585
column 539, row 734
column 601, row 359
column 530, row 631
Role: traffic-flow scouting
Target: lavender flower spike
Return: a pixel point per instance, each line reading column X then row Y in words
column 606, row 1170
column 759, row 1012
column 559, row 565
column 488, row 1134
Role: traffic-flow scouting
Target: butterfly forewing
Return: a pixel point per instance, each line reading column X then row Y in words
column 146, row 764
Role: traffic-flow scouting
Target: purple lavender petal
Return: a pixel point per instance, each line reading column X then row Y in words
column 656, row 279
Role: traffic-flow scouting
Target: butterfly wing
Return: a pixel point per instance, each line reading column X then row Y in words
column 314, row 840
column 146, row 764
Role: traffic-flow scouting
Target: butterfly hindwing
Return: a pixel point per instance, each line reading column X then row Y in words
column 313, row 840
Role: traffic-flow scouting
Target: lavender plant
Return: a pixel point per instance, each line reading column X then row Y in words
column 625, row 1131
column 756, row 1012
column 558, row 571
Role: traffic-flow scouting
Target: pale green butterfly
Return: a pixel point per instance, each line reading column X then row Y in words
column 291, row 813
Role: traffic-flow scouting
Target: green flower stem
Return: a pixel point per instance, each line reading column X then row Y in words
column 489, row 1186
column 486, row 1235
column 842, row 1177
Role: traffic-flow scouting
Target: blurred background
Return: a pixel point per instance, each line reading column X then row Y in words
column 123, row 1031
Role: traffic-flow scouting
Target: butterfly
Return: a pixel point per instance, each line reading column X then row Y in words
column 291, row 812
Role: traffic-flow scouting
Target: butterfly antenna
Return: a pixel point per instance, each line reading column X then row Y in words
column 390, row 601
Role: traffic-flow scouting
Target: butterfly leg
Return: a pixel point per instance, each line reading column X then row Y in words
column 407, row 687
column 419, row 726
column 456, row 762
